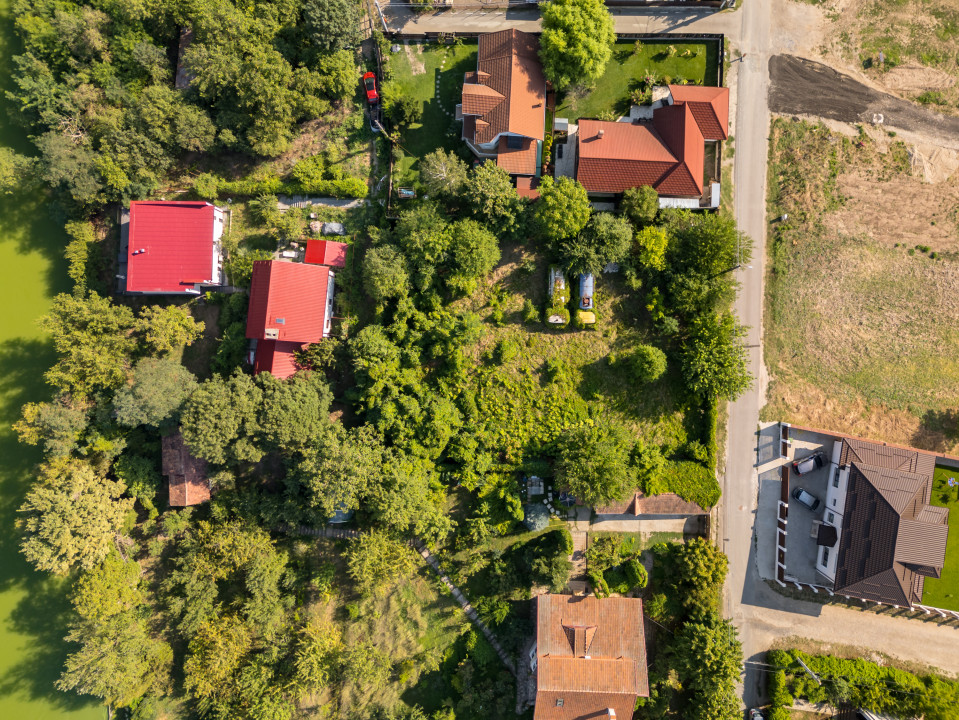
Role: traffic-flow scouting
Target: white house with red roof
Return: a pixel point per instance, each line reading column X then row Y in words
column 291, row 306
column 172, row 247
column 666, row 152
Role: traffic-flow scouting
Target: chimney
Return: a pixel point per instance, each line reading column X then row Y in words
column 600, row 134
column 610, row 713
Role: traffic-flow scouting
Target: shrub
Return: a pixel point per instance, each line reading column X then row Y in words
column 655, row 606
column 646, row 363
column 567, row 540
column 206, row 186
column 690, row 480
column 778, row 693
column 600, row 588
column 636, row 573
column 530, row 313
column 558, row 311
column 78, row 254
column 506, row 351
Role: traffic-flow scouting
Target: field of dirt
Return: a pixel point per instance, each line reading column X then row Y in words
column 804, row 87
column 918, row 40
column 863, row 301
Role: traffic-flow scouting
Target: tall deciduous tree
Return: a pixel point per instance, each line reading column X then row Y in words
column 577, row 41
column 474, row 252
column 606, row 239
column 562, row 210
column 640, row 205
column 709, row 658
column 293, row 411
column 443, row 173
column 377, row 560
column 167, row 329
column 593, row 464
column 341, row 468
column 57, row 425
column 71, row 516
column 157, row 391
column 93, row 340
column 714, row 357
column 493, row 199
column 332, row 24
column 385, row 274
column 220, row 417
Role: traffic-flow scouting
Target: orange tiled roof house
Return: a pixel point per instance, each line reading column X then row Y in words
column 503, row 107
column 590, row 657
column 666, row 152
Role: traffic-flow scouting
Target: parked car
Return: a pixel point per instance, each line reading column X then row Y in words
column 804, row 497
column 586, row 314
column 754, row 714
column 369, row 84
column 808, row 464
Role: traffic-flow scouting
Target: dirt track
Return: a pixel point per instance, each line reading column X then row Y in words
column 804, row 87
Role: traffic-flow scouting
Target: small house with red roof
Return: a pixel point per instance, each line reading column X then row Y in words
column 291, row 306
column 667, row 152
column 326, row 252
column 503, row 106
column 589, row 660
column 171, row 247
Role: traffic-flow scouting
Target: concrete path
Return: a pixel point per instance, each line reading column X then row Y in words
column 326, row 531
column 302, row 201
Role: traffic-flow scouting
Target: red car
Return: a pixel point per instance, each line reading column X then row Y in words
column 369, row 84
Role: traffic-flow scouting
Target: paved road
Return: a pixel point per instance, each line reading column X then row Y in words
column 626, row 20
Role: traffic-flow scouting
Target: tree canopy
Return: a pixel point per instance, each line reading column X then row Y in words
column 593, row 464
column 71, row 516
column 156, row 392
column 577, row 41
column 443, row 173
column 562, row 210
column 714, row 357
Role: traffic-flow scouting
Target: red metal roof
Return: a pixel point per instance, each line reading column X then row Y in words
column 667, row 154
column 276, row 358
column 709, row 105
column 289, row 298
column 171, row 246
column 326, row 252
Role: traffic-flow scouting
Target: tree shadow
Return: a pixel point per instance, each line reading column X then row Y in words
column 938, row 430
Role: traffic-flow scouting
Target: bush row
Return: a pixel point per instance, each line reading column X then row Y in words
column 690, row 480
column 210, row 187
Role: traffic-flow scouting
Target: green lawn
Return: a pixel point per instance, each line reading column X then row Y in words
column 438, row 128
column 611, row 92
column 944, row 592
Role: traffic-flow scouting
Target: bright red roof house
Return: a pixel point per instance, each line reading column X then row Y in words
column 590, row 659
column 326, row 252
column 172, row 247
column 291, row 306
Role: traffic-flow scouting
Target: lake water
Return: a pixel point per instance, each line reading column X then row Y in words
column 33, row 608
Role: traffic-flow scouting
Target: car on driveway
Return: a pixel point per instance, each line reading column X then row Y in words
column 369, row 84
column 808, row 464
column 804, row 497
column 754, row 714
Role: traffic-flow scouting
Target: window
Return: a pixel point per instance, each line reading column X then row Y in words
column 281, row 321
column 825, row 557
column 514, row 142
column 830, row 517
column 834, row 502
column 559, row 702
column 835, row 478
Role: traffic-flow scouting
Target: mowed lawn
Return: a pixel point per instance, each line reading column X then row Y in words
column 626, row 69
column 944, row 592
column 433, row 75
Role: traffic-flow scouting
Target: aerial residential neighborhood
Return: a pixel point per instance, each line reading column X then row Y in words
column 571, row 360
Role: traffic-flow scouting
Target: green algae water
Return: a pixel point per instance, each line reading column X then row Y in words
column 33, row 608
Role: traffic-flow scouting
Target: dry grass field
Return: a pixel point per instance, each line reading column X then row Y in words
column 862, row 310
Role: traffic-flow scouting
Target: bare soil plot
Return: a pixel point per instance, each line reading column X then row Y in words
column 862, row 304
column 919, row 40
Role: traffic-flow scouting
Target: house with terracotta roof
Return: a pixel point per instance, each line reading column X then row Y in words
column 171, row 247
column 880, row 538
column 291, row 306
column 590, row 657
column 189, row 484
column 503, row 107
column 666, row 152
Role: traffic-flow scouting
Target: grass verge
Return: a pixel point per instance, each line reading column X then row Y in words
column 944, row 592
